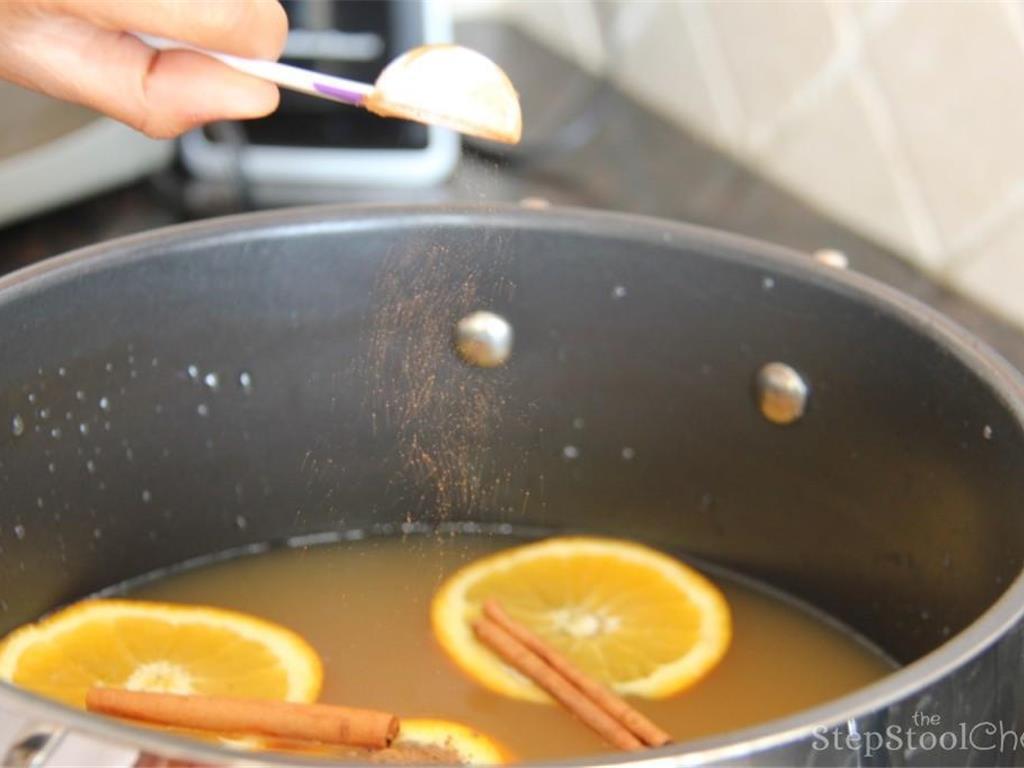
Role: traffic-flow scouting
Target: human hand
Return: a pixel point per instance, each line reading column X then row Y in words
column 80, row 50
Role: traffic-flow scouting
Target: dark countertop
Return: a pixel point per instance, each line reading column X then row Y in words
column 614, row 155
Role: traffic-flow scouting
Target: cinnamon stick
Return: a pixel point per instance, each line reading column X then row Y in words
column 288, row 720
column 649, row 733
column 569, row 696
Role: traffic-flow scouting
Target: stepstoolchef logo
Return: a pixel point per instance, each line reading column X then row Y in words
column 925, row 734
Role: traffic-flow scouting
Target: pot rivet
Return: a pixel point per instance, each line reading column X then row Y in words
column 781, row 393
column 484, row 339
column 830, row 257
column 536, row 203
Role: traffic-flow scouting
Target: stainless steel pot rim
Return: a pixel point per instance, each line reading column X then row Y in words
column 773, row 260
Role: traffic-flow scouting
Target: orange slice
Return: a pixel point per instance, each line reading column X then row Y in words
column 638, row 620
column 467, row 745
column 472, row 746
column 159, row 647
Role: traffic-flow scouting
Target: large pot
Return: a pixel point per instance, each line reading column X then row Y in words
column 894, row 503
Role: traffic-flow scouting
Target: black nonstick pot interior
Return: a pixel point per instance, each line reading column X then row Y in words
column 249, row 380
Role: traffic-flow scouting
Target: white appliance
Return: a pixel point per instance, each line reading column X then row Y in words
column 52, row 153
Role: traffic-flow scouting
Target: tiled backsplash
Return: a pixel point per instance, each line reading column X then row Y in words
column 902, row 118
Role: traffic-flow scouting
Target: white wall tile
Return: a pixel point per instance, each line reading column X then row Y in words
column 832, row 158
column 773, row 48
column 953, row 78
column 570, row 27
column 479, row 9
column 994, row 272
column 661, row 67
column 874, row 11
column 902, row 118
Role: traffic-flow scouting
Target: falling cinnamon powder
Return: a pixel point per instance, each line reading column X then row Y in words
column 444, row 414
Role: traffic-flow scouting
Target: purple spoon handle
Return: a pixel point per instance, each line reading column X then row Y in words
column 293, row 78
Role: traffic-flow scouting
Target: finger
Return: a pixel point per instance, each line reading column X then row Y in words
column 184, row 89
column 162, row 94
column 255, row 28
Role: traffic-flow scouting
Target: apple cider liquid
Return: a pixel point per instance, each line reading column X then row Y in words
column 365, row 607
